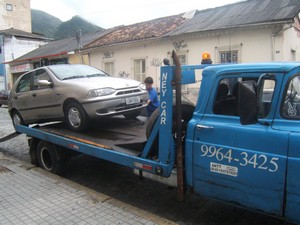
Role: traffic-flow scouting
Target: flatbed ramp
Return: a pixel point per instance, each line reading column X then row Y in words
column 114, row 133
column 9, row 136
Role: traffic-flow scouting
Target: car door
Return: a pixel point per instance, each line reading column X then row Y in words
column 242, row 164
column 21, row 96
column 43, row 97
column 288, row 119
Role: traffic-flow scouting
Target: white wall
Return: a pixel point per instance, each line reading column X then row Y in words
column 291, row 45
column 20, row 16
column 14, row 48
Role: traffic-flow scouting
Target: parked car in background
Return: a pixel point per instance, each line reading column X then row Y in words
column 75, row 94
column 4, row 97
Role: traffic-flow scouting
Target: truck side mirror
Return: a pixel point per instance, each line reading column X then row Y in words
column 247, row 103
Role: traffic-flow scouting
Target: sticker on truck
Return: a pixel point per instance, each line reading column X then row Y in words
column 224, row 169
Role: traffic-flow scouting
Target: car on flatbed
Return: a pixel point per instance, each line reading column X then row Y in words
column 74, row 94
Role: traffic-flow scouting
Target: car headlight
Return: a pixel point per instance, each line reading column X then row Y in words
column 101, row 92
column 142, row 86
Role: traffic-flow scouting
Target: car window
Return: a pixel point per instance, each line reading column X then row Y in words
column 291, row 105
column 24, row 83
column 40, row 74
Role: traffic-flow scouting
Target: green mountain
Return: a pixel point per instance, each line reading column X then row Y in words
column 43, row 23
column 52, row 27
column 69, row 28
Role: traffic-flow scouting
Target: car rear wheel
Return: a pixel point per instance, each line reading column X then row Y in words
column 76, row 117
column 17, row 119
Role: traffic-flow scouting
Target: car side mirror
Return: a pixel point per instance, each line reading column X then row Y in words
column 45, row 83
column 248, row 110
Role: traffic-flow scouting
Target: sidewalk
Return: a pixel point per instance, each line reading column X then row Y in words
column 29, row 195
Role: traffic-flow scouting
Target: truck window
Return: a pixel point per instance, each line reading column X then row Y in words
column 291, row 105
column 226, row 99
column 265, row 96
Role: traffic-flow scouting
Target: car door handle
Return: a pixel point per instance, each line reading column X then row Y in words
column 200, row 126
column 34, row 95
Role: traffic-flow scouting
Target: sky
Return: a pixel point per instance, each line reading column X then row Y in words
column 117, row 12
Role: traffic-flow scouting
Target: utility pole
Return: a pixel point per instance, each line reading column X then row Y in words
column 79, row 45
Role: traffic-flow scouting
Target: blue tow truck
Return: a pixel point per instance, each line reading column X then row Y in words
column 240, row 143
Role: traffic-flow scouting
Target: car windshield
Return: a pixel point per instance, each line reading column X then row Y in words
column 65, row 72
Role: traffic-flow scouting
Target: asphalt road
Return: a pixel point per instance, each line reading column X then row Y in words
column 120, row 183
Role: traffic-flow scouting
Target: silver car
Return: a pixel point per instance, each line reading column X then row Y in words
column 74, row 94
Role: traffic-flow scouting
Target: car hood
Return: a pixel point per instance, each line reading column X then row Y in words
column 101, row 82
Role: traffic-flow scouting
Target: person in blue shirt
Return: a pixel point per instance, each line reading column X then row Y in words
column 153, row 101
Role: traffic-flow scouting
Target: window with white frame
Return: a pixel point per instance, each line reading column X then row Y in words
column 228, row 56
column 109, row 67
column 139, row 69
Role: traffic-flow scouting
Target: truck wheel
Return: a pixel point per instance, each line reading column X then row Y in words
column 49, row 158
column 76, row 117
column 187, row 113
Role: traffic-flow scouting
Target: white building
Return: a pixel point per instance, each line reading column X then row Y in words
column 247, row 31
column 13, row 44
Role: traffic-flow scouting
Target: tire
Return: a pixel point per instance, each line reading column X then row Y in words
column 49, row 158
column 132, row 115
column 17, row 119
column 76, row 117
column 187, row 113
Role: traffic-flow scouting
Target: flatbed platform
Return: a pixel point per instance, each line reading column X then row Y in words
column 113, row 133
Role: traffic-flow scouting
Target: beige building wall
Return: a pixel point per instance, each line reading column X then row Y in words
column 263, row 44
column 78, row 59
column 15, row 14
column 291, row 45
column 123, row 58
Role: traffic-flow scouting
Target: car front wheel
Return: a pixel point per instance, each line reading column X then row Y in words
column 76, row 117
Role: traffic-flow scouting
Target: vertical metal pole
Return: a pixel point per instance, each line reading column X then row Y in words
column 180, row 165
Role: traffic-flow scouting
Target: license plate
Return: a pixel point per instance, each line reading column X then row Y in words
column 132, row 100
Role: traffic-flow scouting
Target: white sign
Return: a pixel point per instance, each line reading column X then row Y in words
column 224, row 169
column 21, row 68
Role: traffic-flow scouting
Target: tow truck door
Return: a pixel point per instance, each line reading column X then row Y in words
column 288, row 119
column 241, row 164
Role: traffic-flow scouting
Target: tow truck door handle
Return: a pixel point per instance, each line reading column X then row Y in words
column 200, row 126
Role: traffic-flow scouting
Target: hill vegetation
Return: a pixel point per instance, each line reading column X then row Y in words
column 52, row 27
column 43, row 23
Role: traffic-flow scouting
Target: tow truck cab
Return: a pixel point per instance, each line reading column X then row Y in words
column 242, row 144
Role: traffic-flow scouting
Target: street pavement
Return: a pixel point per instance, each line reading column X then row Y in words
column 93, row 191
column 30, row 195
